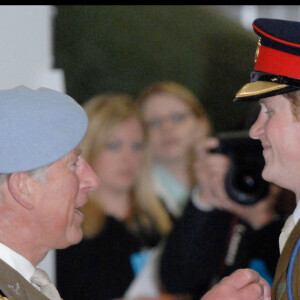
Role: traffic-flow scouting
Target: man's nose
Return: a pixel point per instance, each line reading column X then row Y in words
column 256, row 129
column 89, row 179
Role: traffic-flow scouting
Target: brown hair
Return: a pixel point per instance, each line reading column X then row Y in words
column 294, row 98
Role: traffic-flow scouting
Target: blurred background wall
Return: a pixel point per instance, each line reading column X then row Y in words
column 84, row 50
column 210, row 49
column 124, row 48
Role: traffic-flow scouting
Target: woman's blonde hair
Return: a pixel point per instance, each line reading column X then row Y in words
column 178, row 91
column 105, row 112
column 192, row 102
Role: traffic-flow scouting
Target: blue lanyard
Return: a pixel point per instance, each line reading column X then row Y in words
column 289, row 281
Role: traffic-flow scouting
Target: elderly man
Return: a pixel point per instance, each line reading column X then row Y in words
column 43, row 183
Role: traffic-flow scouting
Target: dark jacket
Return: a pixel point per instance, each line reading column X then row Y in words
column 100, row 268
column 204, row 246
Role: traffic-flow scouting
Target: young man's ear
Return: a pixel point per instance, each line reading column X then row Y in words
column 19, row 187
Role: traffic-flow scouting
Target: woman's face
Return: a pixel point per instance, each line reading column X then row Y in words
column 171, row 125
column 118, row 163
column 279, row 132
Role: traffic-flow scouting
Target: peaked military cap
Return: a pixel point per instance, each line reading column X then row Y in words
column 37, row 127
column 277, row 60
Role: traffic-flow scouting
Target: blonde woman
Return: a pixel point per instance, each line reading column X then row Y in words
column 116, row 228
column 175, row 119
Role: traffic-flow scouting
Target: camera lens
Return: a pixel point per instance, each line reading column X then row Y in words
column 245, row 185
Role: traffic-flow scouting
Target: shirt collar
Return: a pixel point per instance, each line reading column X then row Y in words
column 296, row 213
column 17, row 261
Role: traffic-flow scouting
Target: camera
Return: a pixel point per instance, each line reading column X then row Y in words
column 243, row 183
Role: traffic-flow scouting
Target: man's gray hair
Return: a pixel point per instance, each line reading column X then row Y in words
column 3, row 178
column 38, row 174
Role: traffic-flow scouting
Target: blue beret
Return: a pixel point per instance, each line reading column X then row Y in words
column 277, row 60
column 37, row 127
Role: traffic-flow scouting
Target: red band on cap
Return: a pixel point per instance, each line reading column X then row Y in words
column 277, row 62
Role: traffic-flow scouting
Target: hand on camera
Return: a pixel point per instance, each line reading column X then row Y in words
column 210, row 171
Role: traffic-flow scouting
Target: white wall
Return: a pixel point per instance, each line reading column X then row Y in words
column 245, row 14
column 26, row 58
column 26, row 47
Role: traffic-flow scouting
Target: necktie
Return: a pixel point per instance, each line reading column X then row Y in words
column 285, row 232
column 41, row 279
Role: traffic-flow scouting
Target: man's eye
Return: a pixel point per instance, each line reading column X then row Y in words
column 76, row 162
column 269, row 111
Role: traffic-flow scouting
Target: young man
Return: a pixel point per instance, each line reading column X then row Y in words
column 275, row 82
column 43, row 183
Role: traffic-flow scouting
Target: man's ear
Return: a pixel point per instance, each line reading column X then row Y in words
column 19, row 187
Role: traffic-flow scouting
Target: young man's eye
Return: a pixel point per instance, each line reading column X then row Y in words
column 269, row 111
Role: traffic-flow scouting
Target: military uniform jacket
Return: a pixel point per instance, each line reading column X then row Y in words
column 279, row 291
column 13, row 286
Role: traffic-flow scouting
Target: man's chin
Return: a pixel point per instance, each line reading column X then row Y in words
column 75, row 239
column 79, row 238
column 267, row 175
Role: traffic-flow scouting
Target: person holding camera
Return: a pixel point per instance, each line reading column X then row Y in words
column 216, row 235
column 174, row 117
